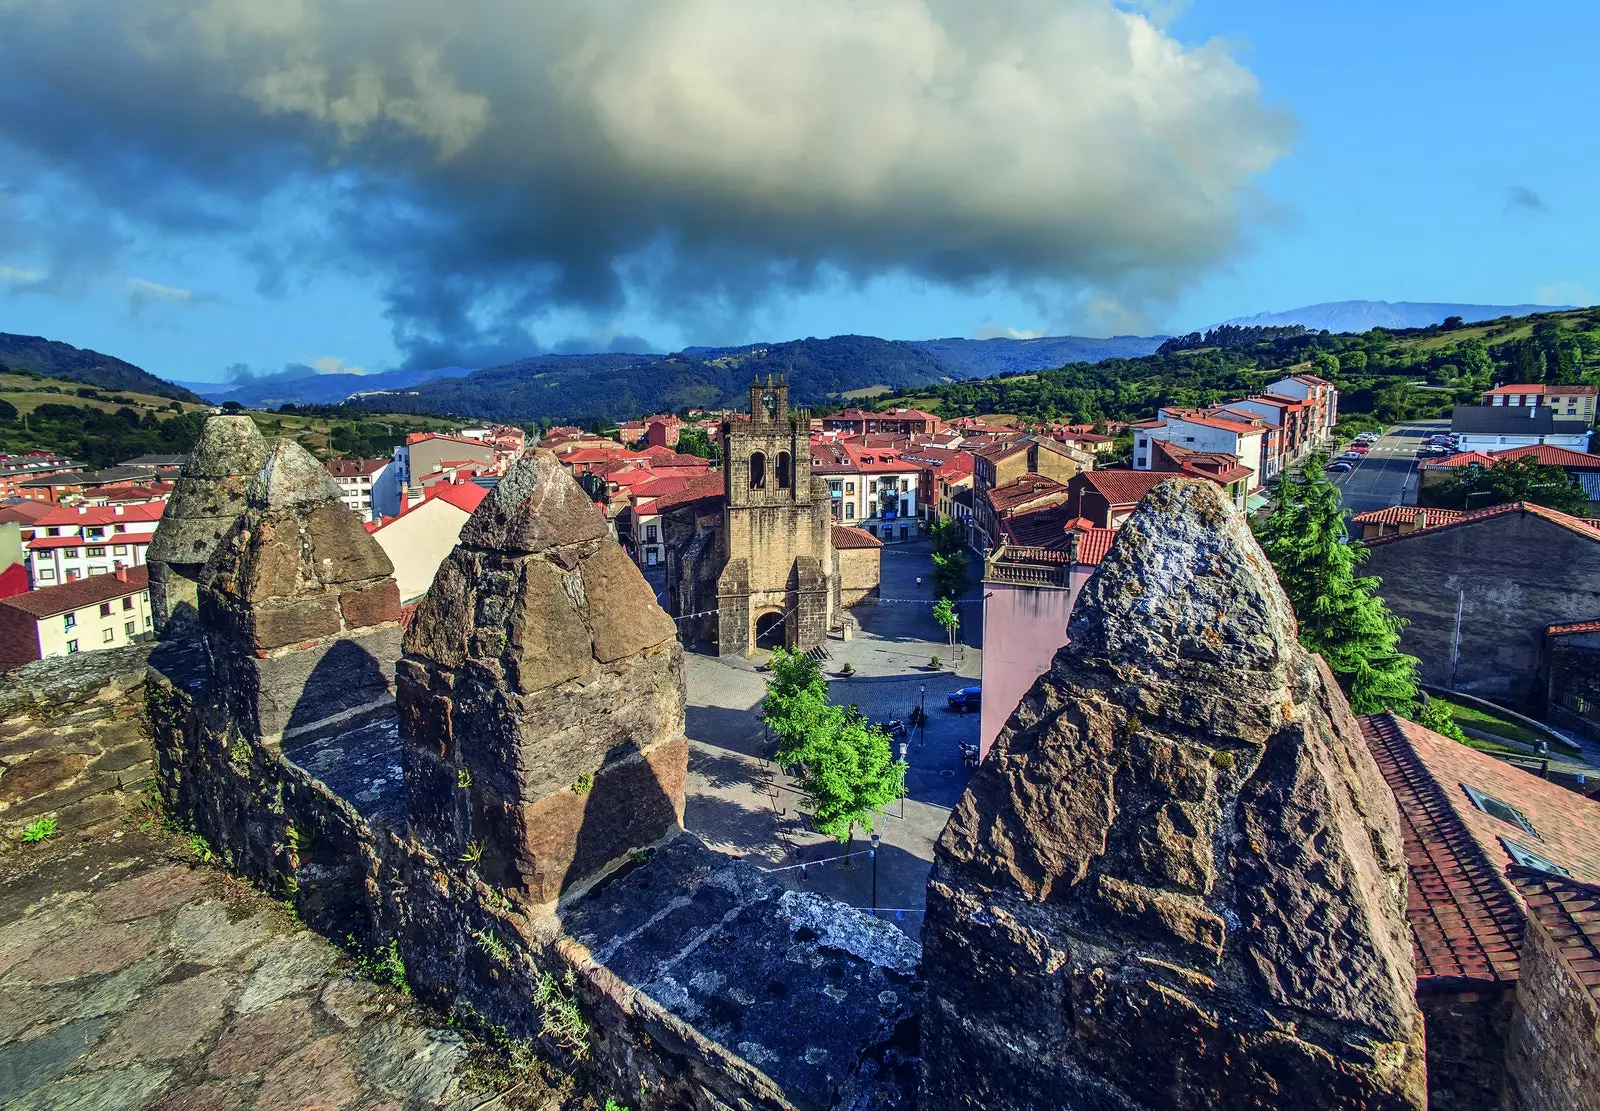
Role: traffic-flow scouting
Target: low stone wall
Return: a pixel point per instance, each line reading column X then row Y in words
column 1466, row 1046
column 74, row 744
column 1553, row 1051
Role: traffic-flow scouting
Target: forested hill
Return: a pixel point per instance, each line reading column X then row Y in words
column 76, row 364
column 1393, row 375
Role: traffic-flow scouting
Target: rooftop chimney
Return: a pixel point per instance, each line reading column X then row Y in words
column 122, row 574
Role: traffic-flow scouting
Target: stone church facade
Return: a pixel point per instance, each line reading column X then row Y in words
column 755, row 568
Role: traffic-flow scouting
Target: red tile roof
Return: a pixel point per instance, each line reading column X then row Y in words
column 1021, row 491
column 1465, row 914
column 53, row 600
column 847, row 536
column 1571, row 628
column 1551, row 456
column 1464, row 919
column 1578, row 525
column 24, row 512
column 664, row 493
column 102, row 514
column 1205, row 419
column 1570, row 912
column 1050, row 529
column 1121, row 487
column 1517, row 388
column 462, row 495
column 1407, row 515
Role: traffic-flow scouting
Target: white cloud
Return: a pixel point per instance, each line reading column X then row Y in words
column 991, row 330
column 14, row 275
column 695, row 155
column 332, row 364
column 144, row 295
column 1565, row 293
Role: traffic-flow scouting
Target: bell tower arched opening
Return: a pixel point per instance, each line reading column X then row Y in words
column 758, row 471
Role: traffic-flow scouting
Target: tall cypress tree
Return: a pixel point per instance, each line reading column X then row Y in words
column 1341, row 616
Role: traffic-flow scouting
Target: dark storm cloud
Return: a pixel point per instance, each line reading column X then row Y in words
column 492, row 160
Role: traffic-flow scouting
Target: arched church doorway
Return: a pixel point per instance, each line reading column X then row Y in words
column 769, row 631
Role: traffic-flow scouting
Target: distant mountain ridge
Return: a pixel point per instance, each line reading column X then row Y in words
column 820, row 371
column 306, row 386
column 79, row 364
column 1363, row 316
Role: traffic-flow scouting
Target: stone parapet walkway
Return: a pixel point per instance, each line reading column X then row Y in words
column 132, row 978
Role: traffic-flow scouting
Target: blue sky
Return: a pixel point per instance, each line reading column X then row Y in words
column 1418, row 151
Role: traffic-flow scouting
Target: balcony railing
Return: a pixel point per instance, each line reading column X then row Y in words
column 1019, row 566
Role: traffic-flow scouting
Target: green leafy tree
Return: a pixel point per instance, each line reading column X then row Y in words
column 1435, row 715
column 850, row 776
column 844, row 764
column 950, row 559
column 944, row 612
column 1509, row 480
column 1341, row 616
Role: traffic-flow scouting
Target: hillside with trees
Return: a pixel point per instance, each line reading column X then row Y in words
column 75, row 364
column 1382, row 375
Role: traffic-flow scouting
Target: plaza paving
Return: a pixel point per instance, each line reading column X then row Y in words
column 739, row 803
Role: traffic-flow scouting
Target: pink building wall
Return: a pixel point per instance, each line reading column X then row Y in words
column 1023, row 628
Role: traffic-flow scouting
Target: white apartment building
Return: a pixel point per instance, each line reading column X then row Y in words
column 106, row 611
column 79, row 542
column 1239, row 435
column 357, row 479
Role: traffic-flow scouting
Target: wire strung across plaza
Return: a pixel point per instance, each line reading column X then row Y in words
column 879, row 602
column 804, row 864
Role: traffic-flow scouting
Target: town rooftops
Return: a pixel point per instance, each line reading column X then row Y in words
column 1513, row 420
column 25, row 513
column 1466, row 820
column 355, row 468
column 1120, row 487
column 1053, row 528
column 1539, row 389
column 92, row 516
column 415, row 438
column 1217, row 466
column 1407, row 515
column 671, row 490
column 847, row 537
column 1022, row 491
column 1579, row 525
column 52, row 600
column 1241, row 423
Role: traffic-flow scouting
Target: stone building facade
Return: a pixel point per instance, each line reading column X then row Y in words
column 1479, row 595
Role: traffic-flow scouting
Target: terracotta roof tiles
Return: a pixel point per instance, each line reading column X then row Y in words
column 1581, row 526
column 1570, row 912
column 847, row 537
column 52, row 600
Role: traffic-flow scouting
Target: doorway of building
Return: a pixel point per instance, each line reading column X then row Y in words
column 769, row 631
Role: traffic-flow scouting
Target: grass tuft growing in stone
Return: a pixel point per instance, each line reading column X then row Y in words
column 583, row 784
column 38, row 830
column 560, row 1020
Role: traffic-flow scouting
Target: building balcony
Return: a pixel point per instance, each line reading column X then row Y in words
column 1039, row 567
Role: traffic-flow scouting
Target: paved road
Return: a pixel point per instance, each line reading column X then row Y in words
column 1387, row 475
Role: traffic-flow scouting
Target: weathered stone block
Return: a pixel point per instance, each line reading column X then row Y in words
column 282, row 622
column 342, row 551
column 374, row 605
column 535, row 506
column 612, row 583
column 1176, row 881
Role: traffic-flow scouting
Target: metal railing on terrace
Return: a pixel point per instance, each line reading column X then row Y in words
column 1020, row 566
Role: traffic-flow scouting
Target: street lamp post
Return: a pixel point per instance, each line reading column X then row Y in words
column 903, row 760
column 876, row 838
column 922, row 718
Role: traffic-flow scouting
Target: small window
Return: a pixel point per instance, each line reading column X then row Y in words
column 120, row 549
column 108, row 635
column 785, row 478
column 1497, row 809
column 70, row 621
column 94, row 552
column 72, row 646
column 849, row 487
column 105, row 609
column 127, row 603
column 47, row 574
column 129, row 627
column 1531, row 859
column 849, row 510
column 758, row 471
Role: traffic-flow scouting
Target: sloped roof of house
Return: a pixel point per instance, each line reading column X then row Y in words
column 1465, row 914
column 1122, row 487
column 1572, row 628
column 1578, row 525
column 1536, row 388
column 671, row 490
column 1570, row 912
column 93, row 515
column 847, row 537
column 1513, row 420
column 1050, row 529
column 1021, row 491
column 52, row 600
column 1407, row 515
column 1217, row 466
column 24, row 512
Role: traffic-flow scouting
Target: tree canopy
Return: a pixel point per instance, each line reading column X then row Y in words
column 844, row 763
column 1511, row 479
column 1340, row 613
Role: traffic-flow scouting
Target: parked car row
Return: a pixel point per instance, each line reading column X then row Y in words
column 1444, row 444
column 1357, row 448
